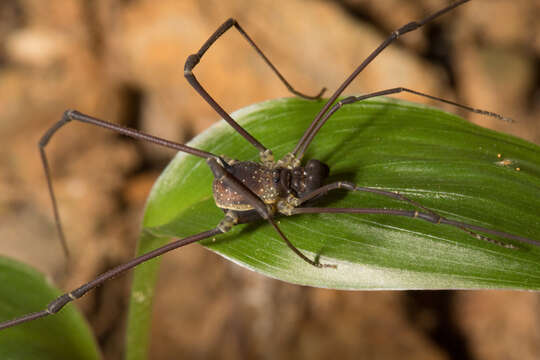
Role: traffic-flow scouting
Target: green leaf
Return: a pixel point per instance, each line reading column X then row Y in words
column 460, row 170
column 65, row 335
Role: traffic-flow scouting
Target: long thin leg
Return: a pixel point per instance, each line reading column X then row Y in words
column 298, row 252
column 429, row 214
column 424, row 216
column 346, row 185
column 57, row 304
column 402, row 30
column 396, row 90
column 194, row 59
column 75, row 115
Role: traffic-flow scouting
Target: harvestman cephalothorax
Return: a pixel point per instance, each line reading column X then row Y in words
column 251, row 191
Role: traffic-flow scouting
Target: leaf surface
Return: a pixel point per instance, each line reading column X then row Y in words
column 462, row 171
column 65, row 335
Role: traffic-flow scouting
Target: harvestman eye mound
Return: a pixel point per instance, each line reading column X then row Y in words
column 249, row 191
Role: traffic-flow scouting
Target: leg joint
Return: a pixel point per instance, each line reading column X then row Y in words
column 191, row 62
column 58, row 303
column 347, row 185
column 407, row 27
column 230, row 220
column 230, row 22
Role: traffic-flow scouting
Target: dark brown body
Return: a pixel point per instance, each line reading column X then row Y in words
column 258, row 178
column 270, row 184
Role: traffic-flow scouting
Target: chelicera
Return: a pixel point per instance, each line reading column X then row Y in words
column 250, row 191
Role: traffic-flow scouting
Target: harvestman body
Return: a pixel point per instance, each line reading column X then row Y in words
column 250, row 191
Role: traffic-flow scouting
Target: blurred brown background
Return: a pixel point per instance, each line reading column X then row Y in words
column 122, row 60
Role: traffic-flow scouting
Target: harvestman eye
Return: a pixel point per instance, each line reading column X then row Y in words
column 250, row 191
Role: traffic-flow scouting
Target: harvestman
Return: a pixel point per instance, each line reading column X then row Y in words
column 280, row 187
